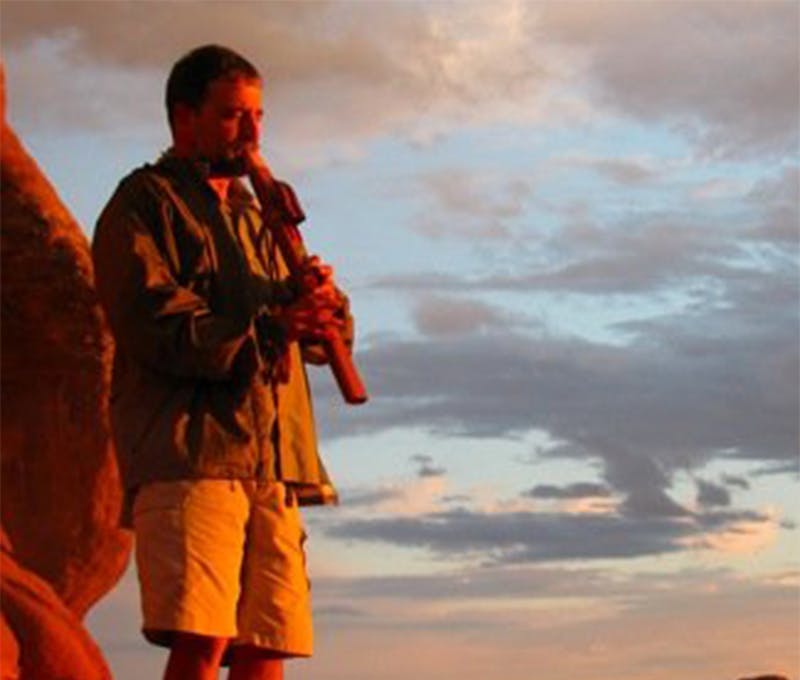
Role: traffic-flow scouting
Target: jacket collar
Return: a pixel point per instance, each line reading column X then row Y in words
column 198, row 171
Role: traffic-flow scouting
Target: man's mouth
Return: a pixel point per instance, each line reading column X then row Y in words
column 241, row 149
column 231, row 162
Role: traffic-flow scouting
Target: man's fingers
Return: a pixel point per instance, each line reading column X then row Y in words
column 326, row 297
column 316, row 273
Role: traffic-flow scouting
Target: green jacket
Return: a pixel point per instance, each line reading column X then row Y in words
column 182, row 278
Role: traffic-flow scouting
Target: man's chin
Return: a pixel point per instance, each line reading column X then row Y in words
column 228, row 167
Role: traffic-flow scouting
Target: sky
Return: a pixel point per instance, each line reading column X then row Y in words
column 569, row 232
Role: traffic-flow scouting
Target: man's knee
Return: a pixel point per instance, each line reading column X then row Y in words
column 204, row 648
column 253, row 653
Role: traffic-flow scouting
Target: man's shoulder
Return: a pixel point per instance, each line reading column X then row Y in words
column 142, row 192
column 146, row 188
column 149, row 177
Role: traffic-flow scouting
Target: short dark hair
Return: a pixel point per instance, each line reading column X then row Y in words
column 190, row 76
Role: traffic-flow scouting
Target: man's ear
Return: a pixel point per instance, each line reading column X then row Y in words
column 182, row 115
column 183, row 126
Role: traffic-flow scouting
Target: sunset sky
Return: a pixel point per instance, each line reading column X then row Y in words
column 570, row 236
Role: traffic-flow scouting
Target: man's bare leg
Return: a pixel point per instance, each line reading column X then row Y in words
column 253, row 663
column 195, row 657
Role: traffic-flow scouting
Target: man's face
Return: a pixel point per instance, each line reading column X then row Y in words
column 227, row 123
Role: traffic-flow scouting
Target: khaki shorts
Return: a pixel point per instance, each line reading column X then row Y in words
column 223, row 558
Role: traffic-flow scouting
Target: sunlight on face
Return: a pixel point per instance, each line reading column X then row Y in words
column 229, row 120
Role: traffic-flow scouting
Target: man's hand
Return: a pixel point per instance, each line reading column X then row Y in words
column 316, row 312
column 254, row 161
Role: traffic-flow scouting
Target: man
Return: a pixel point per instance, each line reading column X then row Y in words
column 210, row 406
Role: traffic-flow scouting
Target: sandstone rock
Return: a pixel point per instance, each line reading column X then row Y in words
column 60, row 489
column 56, row 646
column 9, row 652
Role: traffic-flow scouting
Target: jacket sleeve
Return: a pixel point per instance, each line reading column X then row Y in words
column 163, row 325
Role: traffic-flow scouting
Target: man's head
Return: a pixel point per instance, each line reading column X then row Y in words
column 213, row 103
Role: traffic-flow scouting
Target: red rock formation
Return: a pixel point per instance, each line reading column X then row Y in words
column 60, row 490
column 9, row 652
column 55, row 644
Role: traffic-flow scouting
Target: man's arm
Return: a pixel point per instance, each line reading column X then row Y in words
column 282, row 213
column 160, row 323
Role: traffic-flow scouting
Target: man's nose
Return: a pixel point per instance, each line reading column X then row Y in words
column 250, row 128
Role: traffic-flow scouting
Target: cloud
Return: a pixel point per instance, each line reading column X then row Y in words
column 720, row 188
column 122, row 34
column 778, row 199
column 521, row 537
column 628, row 172
column 651, row 250
column 341, row 74
column 532, row 537
column 747, row 535
column 725, row 367
column 584, row 636
column 710, row 495
column 466, row 203
column 359, row 498
column 424, row 494
column 790, row 467
column 339, row 611
column 571, row 491
column 578, row 498
column 645, row 253
column 726, row 74
column 427, row 468
column 735, row 480
column 47, row 91
column 337, row 73
column 730, row 383
column 464, row 193
column 583, row 619
column 715, row 378
column 479, row 583
column 438, row 316
column 545, row 583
